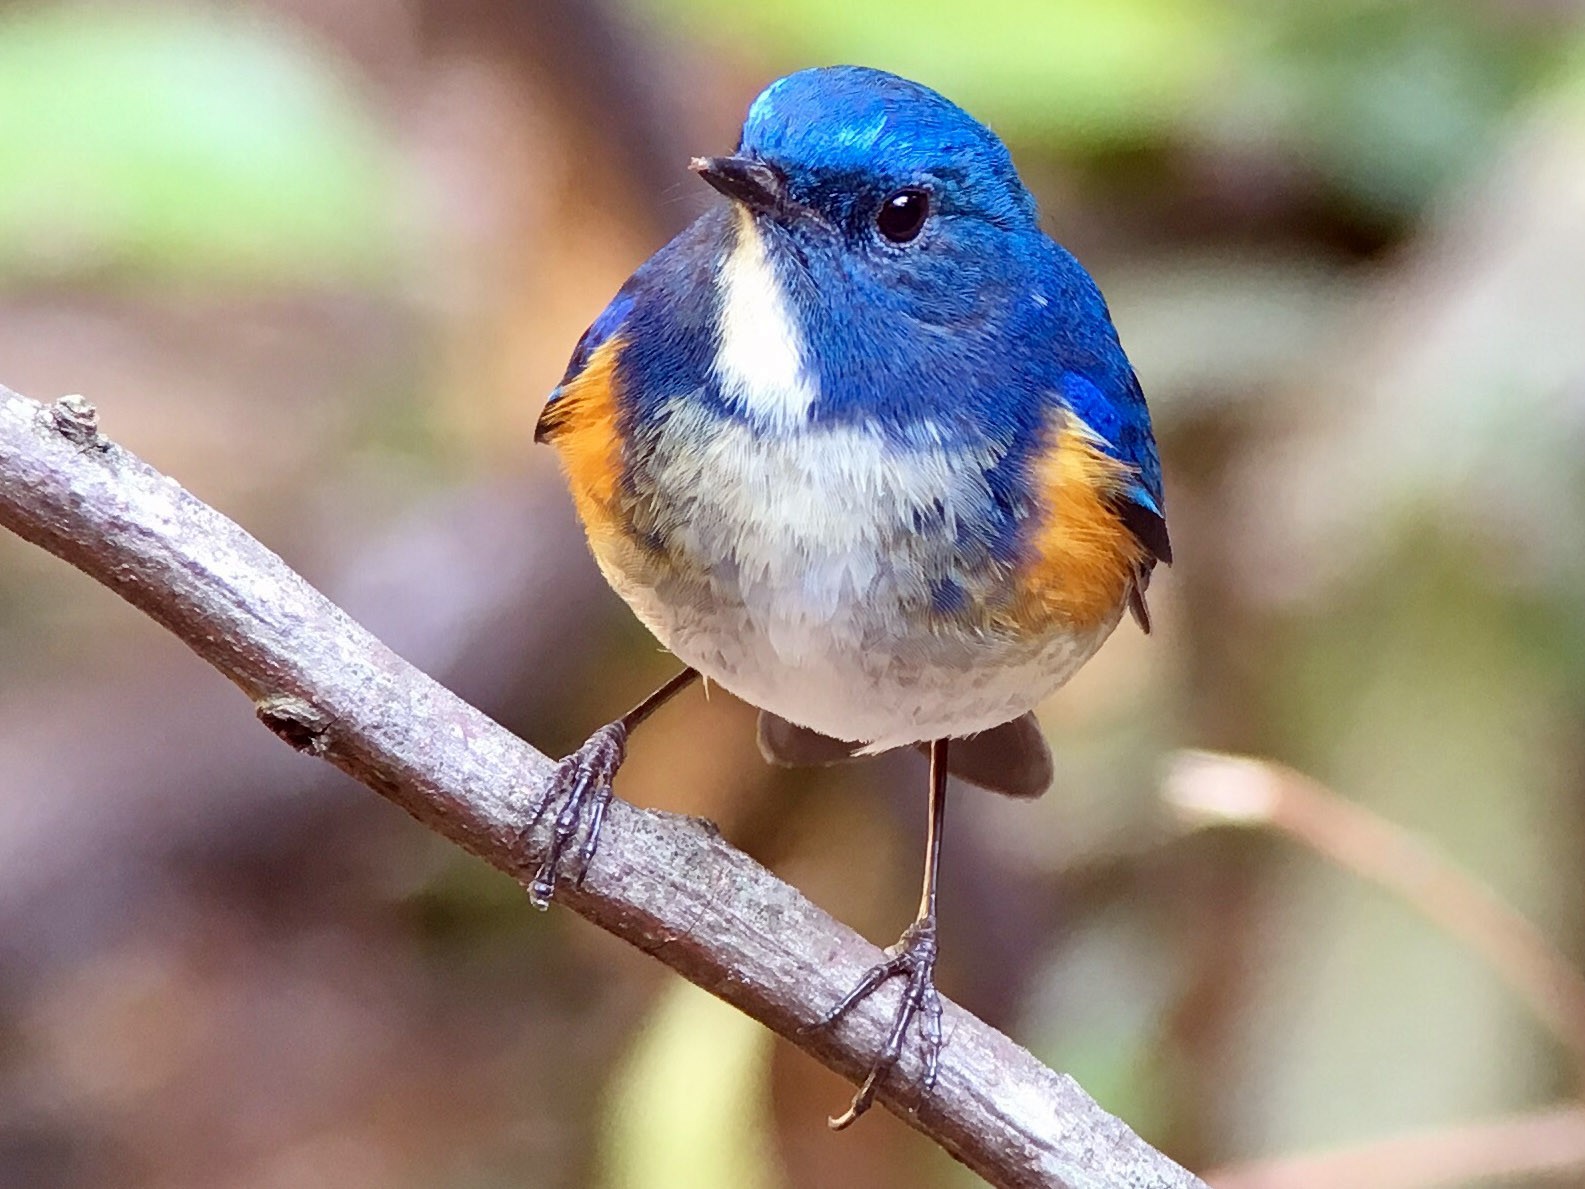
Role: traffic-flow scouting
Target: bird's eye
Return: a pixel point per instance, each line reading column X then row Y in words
column 902, row 216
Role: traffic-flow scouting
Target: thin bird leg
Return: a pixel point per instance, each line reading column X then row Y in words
column 913, row 958
column 582, row 787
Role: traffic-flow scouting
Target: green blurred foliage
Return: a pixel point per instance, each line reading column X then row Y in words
column 1422, row 695
column 1387, row 102
column 687, row 1105
column 1085, row 73
column 1108, row 1037
column 176, row 143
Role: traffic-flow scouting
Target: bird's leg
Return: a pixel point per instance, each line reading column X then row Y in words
column 582, row 788
column 913, row 958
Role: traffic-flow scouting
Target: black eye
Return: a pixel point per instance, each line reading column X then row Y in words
column 903, row 215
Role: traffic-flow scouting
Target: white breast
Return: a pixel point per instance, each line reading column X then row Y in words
column 802, row 585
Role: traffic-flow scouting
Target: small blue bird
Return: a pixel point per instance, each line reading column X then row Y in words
column 861, row 446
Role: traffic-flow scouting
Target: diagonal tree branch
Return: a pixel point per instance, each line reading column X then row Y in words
column 666, row 884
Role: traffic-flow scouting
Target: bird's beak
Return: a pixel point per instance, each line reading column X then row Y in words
column 758, row 186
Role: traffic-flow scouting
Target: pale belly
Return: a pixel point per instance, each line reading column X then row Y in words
column 901, row 687
column 800, row 578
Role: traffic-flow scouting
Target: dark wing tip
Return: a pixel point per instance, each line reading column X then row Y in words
column 551, row 421
column 1137, row 604
column 1148, row 526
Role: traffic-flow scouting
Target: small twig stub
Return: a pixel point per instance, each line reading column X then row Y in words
column 296, row 721
column 76, row 420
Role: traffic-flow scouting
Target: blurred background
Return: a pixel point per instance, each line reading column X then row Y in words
column 322, row 259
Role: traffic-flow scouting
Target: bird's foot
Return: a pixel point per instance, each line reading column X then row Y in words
column 581, row 788
column 913, row 958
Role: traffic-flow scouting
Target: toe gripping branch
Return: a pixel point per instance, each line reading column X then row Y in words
column 912, row 959
column 582, row 789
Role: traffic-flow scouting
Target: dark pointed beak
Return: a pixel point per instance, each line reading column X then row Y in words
column 758, row 186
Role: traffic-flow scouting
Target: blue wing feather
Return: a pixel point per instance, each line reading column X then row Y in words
column 662, row 311
column 1124, row 425
column 599, row 333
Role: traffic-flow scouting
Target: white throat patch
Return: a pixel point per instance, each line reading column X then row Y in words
column 759, row 359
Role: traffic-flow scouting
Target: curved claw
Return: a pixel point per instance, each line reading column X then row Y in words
column 582, row 787
column 913, row 957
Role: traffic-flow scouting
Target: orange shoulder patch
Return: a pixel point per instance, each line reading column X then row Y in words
column 1082, row 558
column 581, row 423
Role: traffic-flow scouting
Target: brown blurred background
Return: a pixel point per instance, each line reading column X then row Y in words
column 321, row 260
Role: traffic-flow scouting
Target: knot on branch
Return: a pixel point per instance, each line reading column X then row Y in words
column 75, row 419
column 300, row 723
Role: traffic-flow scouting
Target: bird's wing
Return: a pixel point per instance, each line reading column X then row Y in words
column 564, row 404
column 660, row 313
column 1121, row 423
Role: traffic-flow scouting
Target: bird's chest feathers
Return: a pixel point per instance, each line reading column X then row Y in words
column 813, row 530
column 806, row 526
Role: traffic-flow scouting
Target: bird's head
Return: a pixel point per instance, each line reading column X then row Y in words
column 903, row 185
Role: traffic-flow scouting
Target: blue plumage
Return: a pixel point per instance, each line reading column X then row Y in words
column 978, row 329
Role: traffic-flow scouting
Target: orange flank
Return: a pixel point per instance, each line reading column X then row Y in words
column 582, row 424
column 1082, row 557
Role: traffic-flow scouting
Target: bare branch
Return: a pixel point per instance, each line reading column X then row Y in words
column 666, row 884
column 1207, row 788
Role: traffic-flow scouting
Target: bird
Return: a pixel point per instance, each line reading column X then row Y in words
column 862, row 447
